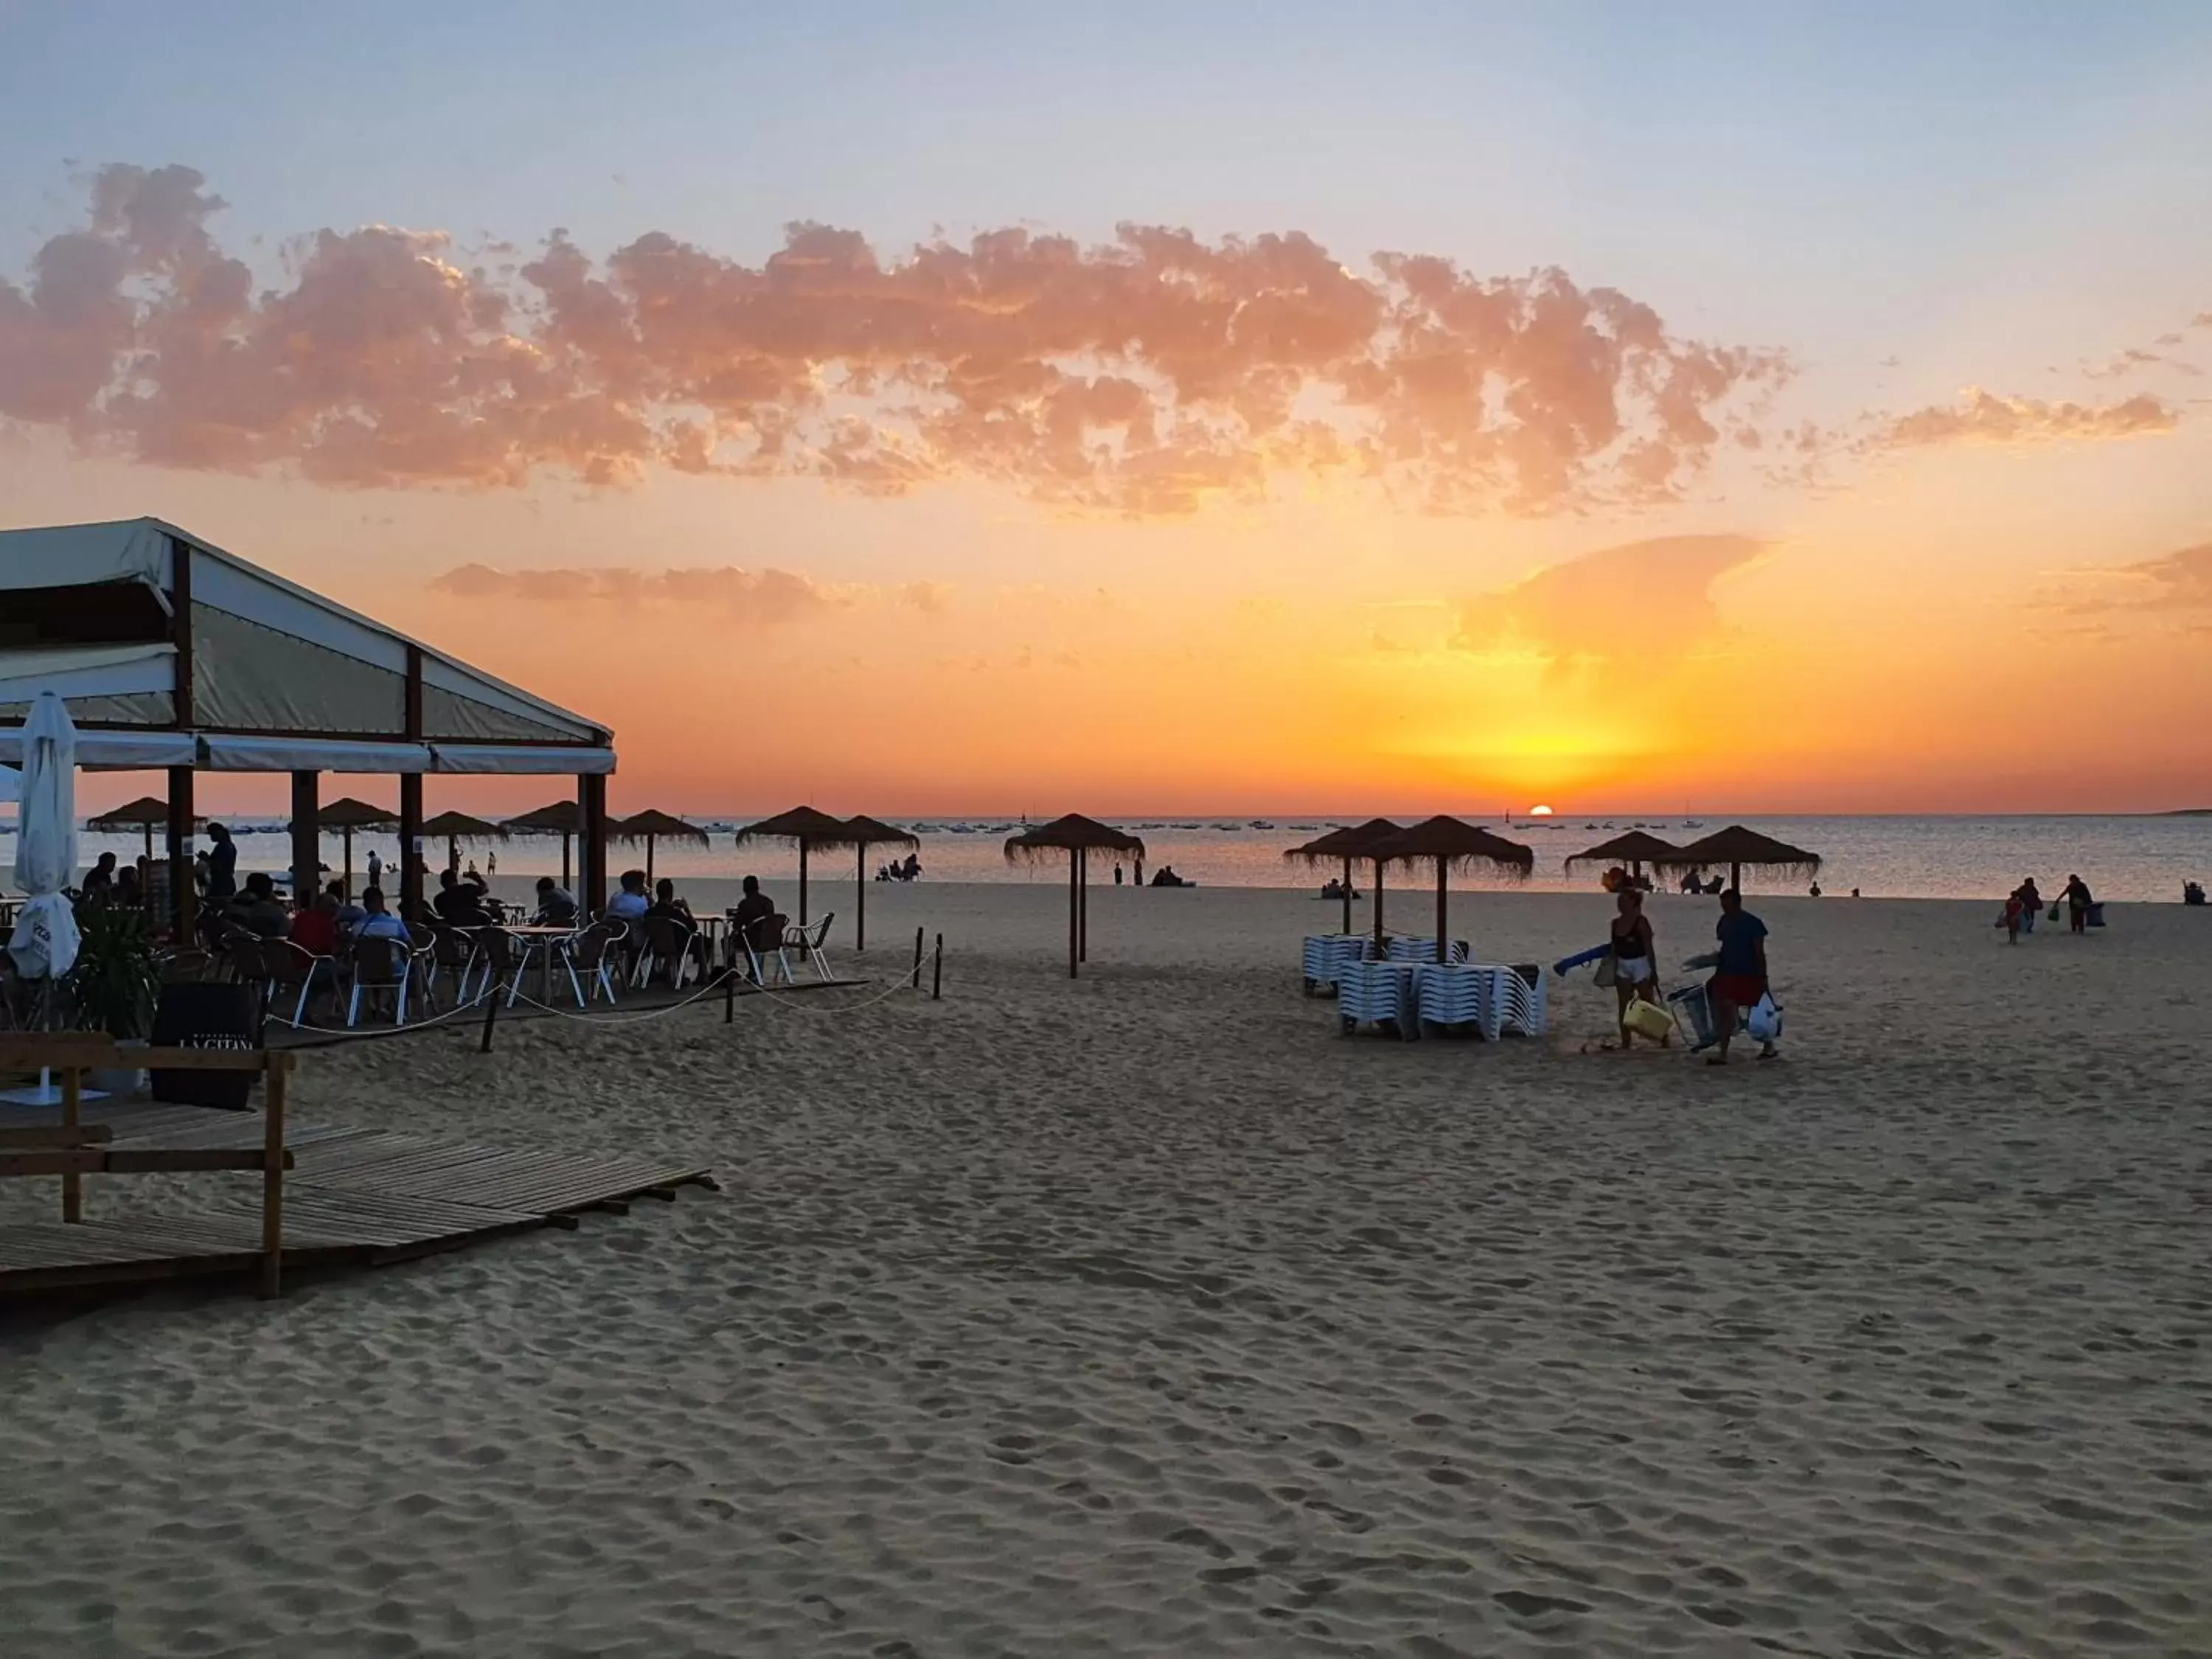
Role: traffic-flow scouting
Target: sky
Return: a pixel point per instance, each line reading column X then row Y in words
column 1192, row 409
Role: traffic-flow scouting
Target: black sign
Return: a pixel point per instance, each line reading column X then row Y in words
column 206, row 1014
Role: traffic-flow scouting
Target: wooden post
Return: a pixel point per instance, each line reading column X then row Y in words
column 649, row 864
column 861, row 899
column 802, row 881
column 72, row 1183
column 937, row 973
column 917, row 959
column 307, row 840
column 1074, row 922
column 1378, row 908
column 1347, row 895
column 411, row 837
column 491, row 1008
column 568, row 879
column 1443, row 953
column 346, row 836
column 1083, row 905
column 184, row 902
column 272, row 1178
column 730, row 991
column 592, row 850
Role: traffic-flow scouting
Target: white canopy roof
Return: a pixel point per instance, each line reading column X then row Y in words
column 281, row 678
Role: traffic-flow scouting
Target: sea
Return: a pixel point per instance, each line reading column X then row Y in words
column 2130, row 858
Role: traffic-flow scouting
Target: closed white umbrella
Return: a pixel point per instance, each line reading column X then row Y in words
column 46, row 938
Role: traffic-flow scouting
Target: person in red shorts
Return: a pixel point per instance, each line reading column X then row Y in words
column 1739, row 979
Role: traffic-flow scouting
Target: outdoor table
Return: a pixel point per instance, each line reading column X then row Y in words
column 544, row 936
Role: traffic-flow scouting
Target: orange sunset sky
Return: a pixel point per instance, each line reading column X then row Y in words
column 1717, row 411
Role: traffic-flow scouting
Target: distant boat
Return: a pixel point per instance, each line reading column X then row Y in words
column 1693, row 824
column 1262, row 823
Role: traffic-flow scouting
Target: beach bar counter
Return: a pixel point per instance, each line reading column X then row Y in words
column 174, row 655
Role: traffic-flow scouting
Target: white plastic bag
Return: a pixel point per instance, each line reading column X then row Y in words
column 1765, row 1020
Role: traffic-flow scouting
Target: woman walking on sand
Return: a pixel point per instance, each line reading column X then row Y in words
column 1635, row 959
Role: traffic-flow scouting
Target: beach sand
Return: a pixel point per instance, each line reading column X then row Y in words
column 1146, row 1316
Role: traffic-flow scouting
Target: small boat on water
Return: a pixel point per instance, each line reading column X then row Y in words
column 1261, row 823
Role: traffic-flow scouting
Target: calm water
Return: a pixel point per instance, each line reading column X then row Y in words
column 2121, row 857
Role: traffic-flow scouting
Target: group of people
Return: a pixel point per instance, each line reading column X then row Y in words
column 1739, row 979
column 2025, row 903
column 906, row 869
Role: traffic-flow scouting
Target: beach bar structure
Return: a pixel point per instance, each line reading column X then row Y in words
column 174, row 655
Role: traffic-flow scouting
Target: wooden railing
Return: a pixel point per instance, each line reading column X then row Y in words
column 73, row 1150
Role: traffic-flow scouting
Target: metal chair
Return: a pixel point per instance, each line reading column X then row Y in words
column 810, row 940
column 667, row 944
column 380, row 965
column 594, row 955
column 291, row 967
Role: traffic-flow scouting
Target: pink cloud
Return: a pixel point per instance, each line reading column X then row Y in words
column 1984, row 418
column 1144, row 376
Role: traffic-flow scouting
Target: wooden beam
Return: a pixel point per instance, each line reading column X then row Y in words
column 72, row 1181
column 180, row 628
column 410, row 837
column 132, row 1160
column 54, row 1137
column 28, row 1051
column 184, row 902
column 307, row 839
column 274, row 1160
column 591, row 843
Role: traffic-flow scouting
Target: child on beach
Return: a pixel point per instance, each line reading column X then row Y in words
column 2013, row 911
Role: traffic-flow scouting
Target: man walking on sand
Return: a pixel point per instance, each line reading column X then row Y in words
column 1740, row 978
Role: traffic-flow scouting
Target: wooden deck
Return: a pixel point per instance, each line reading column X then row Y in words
column 354, row 1198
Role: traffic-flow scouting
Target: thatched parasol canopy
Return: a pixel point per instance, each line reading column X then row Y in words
column 345, row 815
column 1079, row 837
column 1348, row 846
column 870, row 832
column 652, row 826
column 1736, row 847
column 144, row 813
column 558, row 817
column 458, row 827
column 1637, row 846
column 563, row 819
column 807, row 827
column 1451, row 844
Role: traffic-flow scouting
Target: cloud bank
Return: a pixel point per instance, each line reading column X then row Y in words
column 1144, row 376
column 757, row 598
column 1637, row 605
column 1984, row 418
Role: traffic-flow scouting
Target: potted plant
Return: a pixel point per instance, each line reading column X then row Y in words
column 116, row 982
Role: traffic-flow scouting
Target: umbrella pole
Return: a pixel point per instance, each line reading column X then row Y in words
column 1735, row 876
column 802, row 883
column 1074, row 883
column 566, row 878
column 1378, row 908
column 453, row 852
column 648, row 862
column 346, row 835
column 149, row 827
column 861, row 897
column 1083, row 909
column 1347, row 896
column 1442, row 868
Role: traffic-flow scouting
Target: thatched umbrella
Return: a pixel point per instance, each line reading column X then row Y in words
column 1077, row 836
column 1636, row 850
column 1451, row 844
column 144, row 813
column 650, row 826
column 806, row 827
column 345, row 815
column 1736, row 847
column 456, row 828
column 563, row 819
column 870, row 832
column 1349, row 845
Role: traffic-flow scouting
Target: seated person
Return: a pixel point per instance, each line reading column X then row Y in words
column 556, row 905
column 755, row 917
column 911, row 869
column 100, row 877
column 665, row 903
column 458, row 904
column 349, row 914
column 631, row 903
column 128, row 892
column 2192, row 893
column 1694, row 883
column 376, row 921
column 256, row 908
column 1166, row 876
column 315, row 930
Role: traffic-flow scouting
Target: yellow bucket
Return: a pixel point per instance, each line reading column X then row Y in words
column 1647, row 1019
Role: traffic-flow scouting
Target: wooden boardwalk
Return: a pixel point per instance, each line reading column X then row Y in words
column 354, row 1198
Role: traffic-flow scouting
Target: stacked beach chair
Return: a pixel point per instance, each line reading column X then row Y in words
column 1326, row 953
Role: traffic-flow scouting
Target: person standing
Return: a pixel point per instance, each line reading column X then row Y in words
column 1740, row 978
column 2031, row 900
column 223, row 865
column 1635, row 959
column 375, row 869
column 2077, row 904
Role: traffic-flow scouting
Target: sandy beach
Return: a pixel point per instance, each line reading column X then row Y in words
column 1143, row 1315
